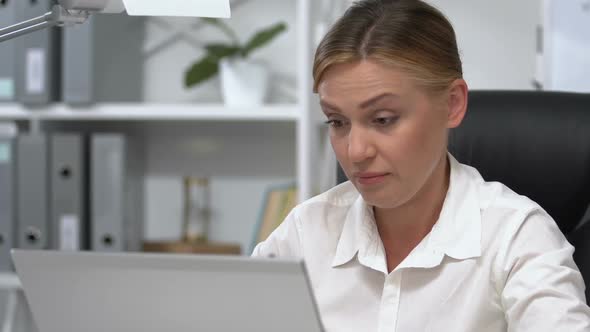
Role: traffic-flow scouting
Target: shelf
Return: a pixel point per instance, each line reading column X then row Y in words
column 10, row 112
column 151, row 112
column 9, row 281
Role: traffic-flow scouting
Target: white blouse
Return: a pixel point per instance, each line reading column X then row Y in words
column 494, row 261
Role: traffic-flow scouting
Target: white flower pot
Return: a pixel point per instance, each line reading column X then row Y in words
column 243, row 82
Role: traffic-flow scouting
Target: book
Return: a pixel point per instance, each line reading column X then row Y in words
column 278, row 201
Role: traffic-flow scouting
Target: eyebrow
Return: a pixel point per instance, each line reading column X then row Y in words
column 364, row 104
column 377, row 98
column 325, row 104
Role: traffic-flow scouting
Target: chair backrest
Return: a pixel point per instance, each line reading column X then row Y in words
column 538, row 144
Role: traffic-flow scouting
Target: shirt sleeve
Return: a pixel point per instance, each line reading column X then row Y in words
column 284, row 241
column 543, row 289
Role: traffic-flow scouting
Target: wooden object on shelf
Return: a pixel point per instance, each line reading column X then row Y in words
column 196, row 203
column 211, row 248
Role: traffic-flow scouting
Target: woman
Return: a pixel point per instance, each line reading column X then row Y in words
column 416, row 241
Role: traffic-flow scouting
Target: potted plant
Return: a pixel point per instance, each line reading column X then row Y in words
column 243, row 81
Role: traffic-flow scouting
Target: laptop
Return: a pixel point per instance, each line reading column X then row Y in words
column 122, row 292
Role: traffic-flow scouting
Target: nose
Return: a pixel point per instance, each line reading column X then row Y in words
column 360, row 145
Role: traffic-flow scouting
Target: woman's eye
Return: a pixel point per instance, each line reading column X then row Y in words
column 385, row 121
column 334, row 123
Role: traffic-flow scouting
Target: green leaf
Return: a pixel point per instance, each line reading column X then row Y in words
column 201, row 71
column 223, row 27
column 263, row 37
column 221, row 50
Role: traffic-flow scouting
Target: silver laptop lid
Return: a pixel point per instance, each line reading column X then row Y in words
column 116, row 292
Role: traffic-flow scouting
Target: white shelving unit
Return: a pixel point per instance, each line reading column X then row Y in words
column 292, row 121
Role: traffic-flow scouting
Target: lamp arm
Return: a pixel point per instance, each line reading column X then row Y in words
column 58, row 16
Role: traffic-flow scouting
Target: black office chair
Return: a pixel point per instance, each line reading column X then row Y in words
column 538, row 144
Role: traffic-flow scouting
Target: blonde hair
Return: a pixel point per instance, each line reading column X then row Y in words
column 407, row 34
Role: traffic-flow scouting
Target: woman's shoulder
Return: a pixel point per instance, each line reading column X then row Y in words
column 328, row 209
column 505, row 212
column 513, row 227
column 495, row 195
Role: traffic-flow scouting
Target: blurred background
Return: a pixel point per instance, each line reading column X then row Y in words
column 193, row 135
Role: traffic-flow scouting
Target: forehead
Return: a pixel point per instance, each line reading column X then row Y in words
column 364, row 78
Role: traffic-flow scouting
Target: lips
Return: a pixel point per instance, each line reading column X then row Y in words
column 369, row 178
column 369, row 174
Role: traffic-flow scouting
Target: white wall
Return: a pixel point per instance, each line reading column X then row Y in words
column 497, row 40
column 567, row 46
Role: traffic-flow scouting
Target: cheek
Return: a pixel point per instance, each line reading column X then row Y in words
column 425, row 135
column 404, row 144
column 339, row 147
column 417, row 147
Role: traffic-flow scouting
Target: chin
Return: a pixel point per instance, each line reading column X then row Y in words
column 383, row 205
column 382, row 199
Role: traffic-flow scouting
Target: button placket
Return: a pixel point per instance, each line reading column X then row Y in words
column 390, row 299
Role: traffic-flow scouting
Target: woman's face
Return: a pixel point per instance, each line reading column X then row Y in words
column 388, row 135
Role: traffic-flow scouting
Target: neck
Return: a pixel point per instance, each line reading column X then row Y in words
column 413, row 220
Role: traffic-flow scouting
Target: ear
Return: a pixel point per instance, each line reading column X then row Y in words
column 457, row 106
